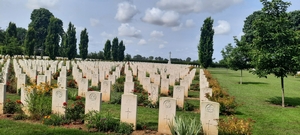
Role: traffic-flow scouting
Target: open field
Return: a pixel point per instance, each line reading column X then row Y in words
column 258, row 98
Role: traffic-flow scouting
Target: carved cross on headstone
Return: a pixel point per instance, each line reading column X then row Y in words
column 167, row 119
column 128, row 111
column 208, row 124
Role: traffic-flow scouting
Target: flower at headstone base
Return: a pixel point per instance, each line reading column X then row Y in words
column 84, row 76
column 65, row 104
column 78, row 97
column 90, row 89
column 149, row 94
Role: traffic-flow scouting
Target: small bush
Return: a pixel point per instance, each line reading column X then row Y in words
column 54, row 120
column 12, row 107
column 118, row 87
column 120, row 80
column 125, row 128
column 235, row 126
column 20, row 116
column 72, row 84
column 170, row 91
column 185, row 126
column 76, row 111
column 101, row 121
column 116, row 98
column 72, row 94
column 188, row 106
column 55, row 75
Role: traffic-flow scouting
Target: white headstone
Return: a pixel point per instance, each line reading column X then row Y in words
column 105, row 90
column 93, row 101
column 2, row 96
column 128, row 87
column 167, row 112
column 83, row 87
column 59, row 97
column 209, row 117
column 164, row 87
column 178, row 94
column 129, row 109
column 153, row 93
column 62, row 82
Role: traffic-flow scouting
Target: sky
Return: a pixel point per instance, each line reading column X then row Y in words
column 147, row 27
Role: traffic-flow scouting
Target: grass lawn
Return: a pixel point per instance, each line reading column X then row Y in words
column 260, row 100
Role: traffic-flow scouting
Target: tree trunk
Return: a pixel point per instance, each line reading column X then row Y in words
column 241, row 78
column 282, row 88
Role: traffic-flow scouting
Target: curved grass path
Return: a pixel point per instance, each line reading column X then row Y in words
column 258, row 97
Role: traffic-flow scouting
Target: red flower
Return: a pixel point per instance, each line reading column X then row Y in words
column 84, row 76
column 65, row 104
column 149, row 94
column 19, row 102
column 78, row 97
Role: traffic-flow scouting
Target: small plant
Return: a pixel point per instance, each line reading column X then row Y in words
column 235, row 126
column 11, row 107
column 170, row 91
column 115, row 98
column 125, row 128
column 120, row 80
column 188, row 106
column 69, row 72
column 76, row 111
column 179, row 126
column 54, row 120
column 72, row 94
column 55, row 75
column 20, row 116
column 72, row 84
column 117, row 87
column 101, row 121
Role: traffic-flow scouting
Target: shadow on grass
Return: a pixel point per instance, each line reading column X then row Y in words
column 289, row 101
column 253, row 83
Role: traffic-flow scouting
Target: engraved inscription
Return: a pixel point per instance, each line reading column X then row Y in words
column 58, row 94
column 93, row 96
column 167, row 104
column 209, row 108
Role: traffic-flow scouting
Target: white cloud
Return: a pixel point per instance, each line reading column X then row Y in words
column 107, row 35
column 35, row 4
column 142, row 42
column 127, row 42
column 189, row 23
column 161, row 46
column 126, row 12
column 223, row 27
column 196, row 6
column 177, row 28
column 159, row 17
column 156, row 34
column 126, row 30
column 94, row 22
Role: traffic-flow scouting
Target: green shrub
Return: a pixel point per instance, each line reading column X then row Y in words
column 185, row 126
column 115, row 98
column 118, row 87
column 54, row 120
column 121, row 80
column 20, row 116
column 12, row 107
column 39, row 104
column 188, row 106
column 125, row 128
column 101, row 121
column 76, row 111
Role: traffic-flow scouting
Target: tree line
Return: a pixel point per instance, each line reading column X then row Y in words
column 44, row 36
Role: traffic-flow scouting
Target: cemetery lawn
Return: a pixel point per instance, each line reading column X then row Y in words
column 260, row 100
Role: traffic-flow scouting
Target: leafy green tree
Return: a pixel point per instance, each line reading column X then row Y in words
column 225, row 54
column 55, row 29
column 40, row 19
column 121, row 51
column 107, row 50
column 21, row 34
column 205, row 46
column 114, row 49
column 70, row 42
column 11, row 31
column 239, row 58
column 248, row 28
column 2, row 36
column 83, row 45
column 127, row 57
column 294, row 17
column 275, row 45
column 11, row 44
column 29, row 41
column 188, row 59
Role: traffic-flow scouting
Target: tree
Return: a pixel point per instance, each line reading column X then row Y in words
column 83, row 45
column 29, row 41
column 294, row 17
column 2, row 35
column 225, row 54
column 275, row 46
column 53, row 37
column 40, row 19
column 70, row 42
column 188, row 59
column 11, row 44
column 239, row 57
column 248, row 28
column 114, row 49
column 205, row 46
column 21, row 34
column 127, row 57
column 121, row 51
column 107, row 50
column 150, row 57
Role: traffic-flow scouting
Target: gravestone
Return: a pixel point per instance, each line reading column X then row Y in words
column 48, row 73
column 203, row 92
column 25, row 96
column 153, row 93
column 209, row 117
column 178, row 94
column 105, row 90
column 21, row 81
column 83, row 87
column 146, row 83
column 167, row 112
column 62, row 82
column 128, row 78
column 95, row 80
column 93, row 101
column 164, row 87
column 129, row 109
column 185, row 83
column 41, row 79
column 128, row 87
column 112, row 78
column 59, row 97
column 2, row 96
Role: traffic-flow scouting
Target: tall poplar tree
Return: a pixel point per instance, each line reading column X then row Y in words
column 205, row 46
column 29, row 41
column 83, row 45
column 114, row 49
column 121, row 51
column 70, row 42
column 53, row 37
column 107, row 50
